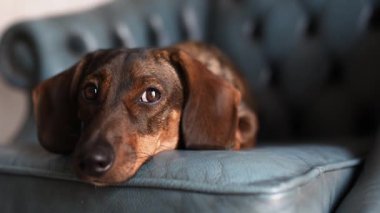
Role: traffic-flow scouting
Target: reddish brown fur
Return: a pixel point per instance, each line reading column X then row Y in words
column 203, row 99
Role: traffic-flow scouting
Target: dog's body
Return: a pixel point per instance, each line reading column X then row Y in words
column 117, row 108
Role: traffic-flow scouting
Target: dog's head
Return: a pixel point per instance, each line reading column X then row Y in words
column 115, row 109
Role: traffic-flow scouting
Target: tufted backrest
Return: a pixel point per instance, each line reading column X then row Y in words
column 35, row 50
column 313, row 65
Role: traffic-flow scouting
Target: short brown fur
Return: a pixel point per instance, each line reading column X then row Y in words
column 204, row 104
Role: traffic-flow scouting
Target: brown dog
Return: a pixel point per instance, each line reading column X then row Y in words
column 116, row 108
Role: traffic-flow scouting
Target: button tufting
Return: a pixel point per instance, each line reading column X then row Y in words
column 318, row 55
column 189, row 25
column 285, row 26
column 122, row 37
column 312, row 28
column 336, row 72
column 274, row 74
column 156, row 31
column 253, row 29
column 77, row 44
column 22, row 57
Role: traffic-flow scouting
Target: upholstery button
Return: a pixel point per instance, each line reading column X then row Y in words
column 76, row 44
column 253, row 29
column 275, row 72
column 122, row 37
column 190, row 24
column 238, row 45
column 19, row 54
column 312, row 29
column 336, row 71
column 156, row 31
column 284, row 27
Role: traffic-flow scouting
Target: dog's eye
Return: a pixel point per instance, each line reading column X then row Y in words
column 90, row 92
column 151, row 95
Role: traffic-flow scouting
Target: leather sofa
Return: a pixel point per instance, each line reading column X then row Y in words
column 312, row 65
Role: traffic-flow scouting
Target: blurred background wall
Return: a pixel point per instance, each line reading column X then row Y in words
column 12, row 101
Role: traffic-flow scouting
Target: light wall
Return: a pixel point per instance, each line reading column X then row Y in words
column 13, row 104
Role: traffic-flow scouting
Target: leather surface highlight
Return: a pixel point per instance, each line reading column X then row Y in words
column 268, row 179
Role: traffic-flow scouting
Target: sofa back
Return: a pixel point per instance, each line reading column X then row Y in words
column 313, row 66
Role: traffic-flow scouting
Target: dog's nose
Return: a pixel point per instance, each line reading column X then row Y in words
column 97, row 162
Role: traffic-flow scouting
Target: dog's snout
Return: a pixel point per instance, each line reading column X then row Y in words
column 96, row 162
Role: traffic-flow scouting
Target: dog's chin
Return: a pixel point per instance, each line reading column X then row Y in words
column 106, row 180
column 101, row 182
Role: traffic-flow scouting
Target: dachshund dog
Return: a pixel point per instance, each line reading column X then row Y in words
column 116, row 108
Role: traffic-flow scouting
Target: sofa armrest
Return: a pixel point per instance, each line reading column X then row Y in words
column 35, row 50
column 365, row 195
column 32, row 51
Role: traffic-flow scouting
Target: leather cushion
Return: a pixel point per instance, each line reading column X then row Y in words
column 295, row 177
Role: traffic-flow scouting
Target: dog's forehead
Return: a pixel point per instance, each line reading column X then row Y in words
column 132, row 63
column 148, row 62
column 122, row 68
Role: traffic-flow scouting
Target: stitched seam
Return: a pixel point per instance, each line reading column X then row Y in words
column 262, row 187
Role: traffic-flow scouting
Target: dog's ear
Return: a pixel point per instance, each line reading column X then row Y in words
column 55, row 109
column 210, row 114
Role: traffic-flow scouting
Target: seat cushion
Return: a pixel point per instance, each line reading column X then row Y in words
column 297, row 177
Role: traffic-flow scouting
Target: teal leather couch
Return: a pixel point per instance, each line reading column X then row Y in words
column 313, row 65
